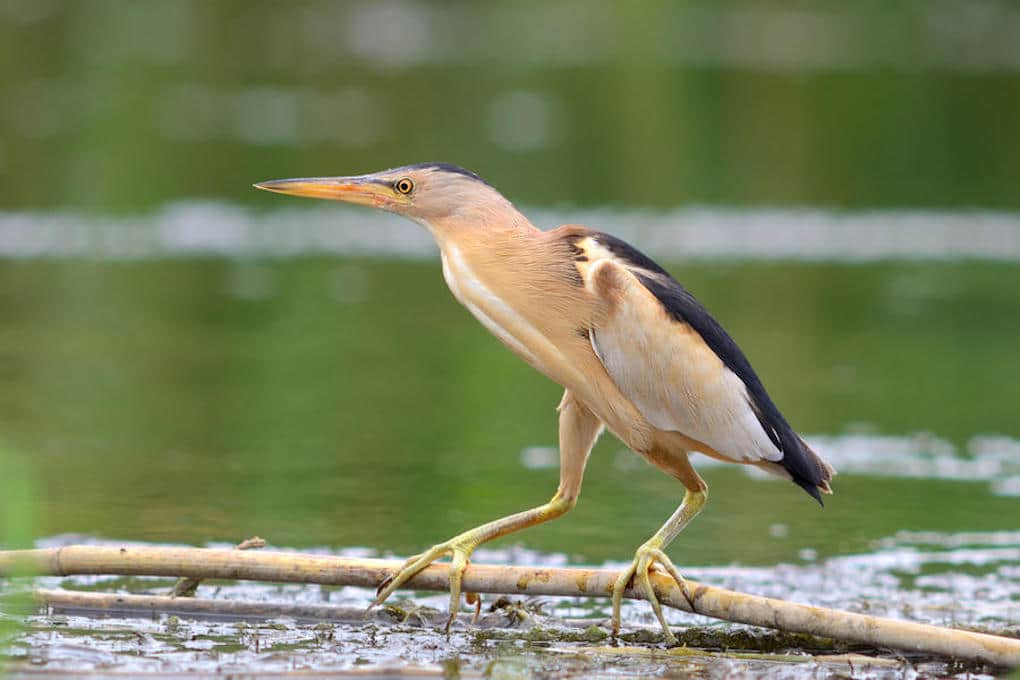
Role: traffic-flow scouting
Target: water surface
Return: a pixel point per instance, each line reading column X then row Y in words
column 330, row 401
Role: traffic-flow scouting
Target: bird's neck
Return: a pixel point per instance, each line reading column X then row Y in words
column 472, row 224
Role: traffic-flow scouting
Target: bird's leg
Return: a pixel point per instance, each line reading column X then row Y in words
column 652, row 551
column 579, row 428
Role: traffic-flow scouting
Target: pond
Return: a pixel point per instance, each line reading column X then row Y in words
column 184, row 360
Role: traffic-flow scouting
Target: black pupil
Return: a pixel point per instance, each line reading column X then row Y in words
column 404, row 185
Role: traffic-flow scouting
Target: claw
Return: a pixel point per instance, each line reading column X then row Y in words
column 645, row 558
column 462, row 545
column 457, row 548
column 385, row 582
column 407, row 571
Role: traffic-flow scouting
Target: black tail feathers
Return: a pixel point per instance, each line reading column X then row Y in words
column 807, row 469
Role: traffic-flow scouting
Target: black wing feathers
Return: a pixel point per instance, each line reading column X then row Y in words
column 801, row 463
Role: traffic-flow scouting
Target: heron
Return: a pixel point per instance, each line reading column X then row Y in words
column 635, row 352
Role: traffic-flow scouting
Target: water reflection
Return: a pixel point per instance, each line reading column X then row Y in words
column 991, row 458
column 212, row 228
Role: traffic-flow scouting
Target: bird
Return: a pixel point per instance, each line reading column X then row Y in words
column 635, row 352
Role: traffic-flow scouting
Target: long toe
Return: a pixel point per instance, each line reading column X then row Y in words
column 644, row 568
column 622, row 581
column 459, row 549
column 457, row 568
column 407, row 571
column 663, row 559
column 640, row 571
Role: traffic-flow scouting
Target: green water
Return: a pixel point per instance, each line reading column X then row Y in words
column 355, row 403
column 349, row 402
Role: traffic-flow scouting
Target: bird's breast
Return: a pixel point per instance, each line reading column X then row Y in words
column 489, row 308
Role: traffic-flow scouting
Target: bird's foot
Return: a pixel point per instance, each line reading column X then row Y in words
column 644, row 560
column 458, row 548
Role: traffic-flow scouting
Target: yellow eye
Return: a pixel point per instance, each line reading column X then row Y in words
column 404, row 185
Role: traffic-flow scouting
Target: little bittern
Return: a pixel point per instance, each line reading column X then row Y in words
column 635, row 352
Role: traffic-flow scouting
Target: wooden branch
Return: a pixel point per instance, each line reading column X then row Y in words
column 186, row 587
column 80, row 601
column 327, row 570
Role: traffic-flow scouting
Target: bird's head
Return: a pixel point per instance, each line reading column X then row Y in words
column 429, row 193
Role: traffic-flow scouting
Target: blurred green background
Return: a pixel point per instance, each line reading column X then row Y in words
column 331, row 400
column 116, row 105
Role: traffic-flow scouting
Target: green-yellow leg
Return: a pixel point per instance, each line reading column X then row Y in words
column 650, row 553
column 579, row 428
column 460, row 547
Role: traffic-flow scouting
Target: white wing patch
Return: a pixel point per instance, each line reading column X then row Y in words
column 671, row 375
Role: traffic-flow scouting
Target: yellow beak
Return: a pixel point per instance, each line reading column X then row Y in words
column 366, row 190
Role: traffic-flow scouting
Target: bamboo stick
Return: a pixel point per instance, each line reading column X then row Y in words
column 186, row 587
column 328, row 570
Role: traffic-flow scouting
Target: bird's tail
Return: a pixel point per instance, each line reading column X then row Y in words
column 814, row 473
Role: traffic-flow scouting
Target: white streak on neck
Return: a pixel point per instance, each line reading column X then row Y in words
column 478, row 298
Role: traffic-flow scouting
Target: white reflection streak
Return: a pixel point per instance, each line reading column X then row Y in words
column 916, row 456
column 187, row 228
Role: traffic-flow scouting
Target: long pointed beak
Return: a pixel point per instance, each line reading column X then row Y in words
column 359, row 190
